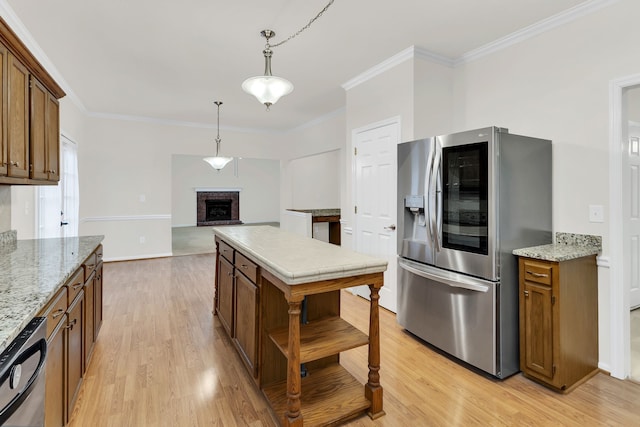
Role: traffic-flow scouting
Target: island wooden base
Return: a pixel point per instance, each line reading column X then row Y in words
column 298, row 337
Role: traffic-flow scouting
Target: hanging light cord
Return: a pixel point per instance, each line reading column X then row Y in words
column 303, row 28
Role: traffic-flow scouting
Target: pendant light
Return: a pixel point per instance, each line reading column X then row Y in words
column 268, row 88
column 218, row 162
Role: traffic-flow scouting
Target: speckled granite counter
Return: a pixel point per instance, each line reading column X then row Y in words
column 567, row 246
column 296, row 259
column 31, row 271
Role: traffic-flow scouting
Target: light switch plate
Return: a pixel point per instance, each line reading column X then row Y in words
column 596, row 213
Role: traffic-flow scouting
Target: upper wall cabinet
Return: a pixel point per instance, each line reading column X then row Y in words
column 30, row 117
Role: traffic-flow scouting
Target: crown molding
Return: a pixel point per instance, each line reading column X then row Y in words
column 409, row 53
column 502, row 43
column 25, row 36
column 533, row 30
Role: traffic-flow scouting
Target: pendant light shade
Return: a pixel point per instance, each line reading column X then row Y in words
column 218, row 162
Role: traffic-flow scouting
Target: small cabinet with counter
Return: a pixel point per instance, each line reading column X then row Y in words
column 559, row 311
column 278, row 297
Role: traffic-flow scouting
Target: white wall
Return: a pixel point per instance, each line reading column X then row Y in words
column 258, row 180
column 315, row 181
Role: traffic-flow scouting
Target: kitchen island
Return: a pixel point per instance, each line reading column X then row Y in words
column 278, row 297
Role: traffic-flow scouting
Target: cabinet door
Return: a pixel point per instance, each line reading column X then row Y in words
column 75, row 351
column 18, row 119
column 246, row 321
column 38, row 134
column 3, row 114
column 54, row 398
column 225, row 297
column 538, row 329
column 97, row 302
column 53, row 138
column 89, row 313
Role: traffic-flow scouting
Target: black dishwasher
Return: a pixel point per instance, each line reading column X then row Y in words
column 22, row 377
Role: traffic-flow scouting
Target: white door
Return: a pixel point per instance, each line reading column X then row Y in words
column 58, row 205
column 632, row 212
column 375, row 197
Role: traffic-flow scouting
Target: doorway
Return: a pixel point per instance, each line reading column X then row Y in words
column 375, row 181
column 624, row 171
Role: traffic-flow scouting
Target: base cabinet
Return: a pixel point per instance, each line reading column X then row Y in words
column 73, row 315
column 246, row 336
column 559, row 321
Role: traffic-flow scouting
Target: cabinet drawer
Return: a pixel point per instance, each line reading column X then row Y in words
column 55, row 309
column 538, row 272
column 226, row 251
column 89, row 265
column 247, row 267
column 74, row 285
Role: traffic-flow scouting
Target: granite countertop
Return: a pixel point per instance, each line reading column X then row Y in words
column 319, row 212
column 567, row 246
column 31, row 271
column 296, row 259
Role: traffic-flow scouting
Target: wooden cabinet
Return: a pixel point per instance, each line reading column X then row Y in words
column 75, row 350
column 224, row 294
column 29, row 120
column 18, row 119
column 559, row 321
column 56, row 370
column 74, row 316
column 246, row 310
column 4, row 159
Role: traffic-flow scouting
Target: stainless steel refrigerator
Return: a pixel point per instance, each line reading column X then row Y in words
column 466, row 200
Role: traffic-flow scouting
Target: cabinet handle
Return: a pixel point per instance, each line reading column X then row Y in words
column 59, row 312
column 526, row 293
column 77, row 285
column 537, row 274
column 70, row 325
column 244, row 266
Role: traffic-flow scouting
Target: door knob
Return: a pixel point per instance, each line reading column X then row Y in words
column 391, row 227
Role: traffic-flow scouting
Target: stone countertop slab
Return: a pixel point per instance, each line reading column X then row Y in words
column 567, row 246
column 319, row 212
column 296, row 259
column 31, row 272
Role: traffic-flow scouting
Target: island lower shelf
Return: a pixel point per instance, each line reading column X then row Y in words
column 321, row 338
column 329, row 395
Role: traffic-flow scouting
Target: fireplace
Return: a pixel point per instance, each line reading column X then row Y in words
column 218, row 208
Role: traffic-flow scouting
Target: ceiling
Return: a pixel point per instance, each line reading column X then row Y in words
column 169, row 60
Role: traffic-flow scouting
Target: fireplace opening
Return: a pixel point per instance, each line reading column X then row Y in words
column 218, row 210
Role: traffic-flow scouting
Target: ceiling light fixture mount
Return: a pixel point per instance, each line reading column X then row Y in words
column 218, row 162
column 268, row 89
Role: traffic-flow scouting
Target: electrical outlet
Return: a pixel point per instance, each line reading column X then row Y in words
column 142, row 240
column 596, row 213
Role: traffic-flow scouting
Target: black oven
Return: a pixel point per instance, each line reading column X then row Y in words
column 22, row 377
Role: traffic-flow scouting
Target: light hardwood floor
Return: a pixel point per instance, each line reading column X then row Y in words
column 162, row 359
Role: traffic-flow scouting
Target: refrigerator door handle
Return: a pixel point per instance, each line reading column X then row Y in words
column 448, row 278
column 427, row 189
column 435, row 219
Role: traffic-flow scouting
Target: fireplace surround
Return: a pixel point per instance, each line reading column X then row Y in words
column 218, row 208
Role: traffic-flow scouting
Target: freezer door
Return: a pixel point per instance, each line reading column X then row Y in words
column 415, row 234
column 453, row 312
